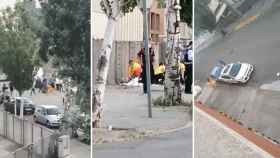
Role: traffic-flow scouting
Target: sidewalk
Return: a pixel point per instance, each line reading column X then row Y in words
column 79, row 150
column 7, row 147
column 213, row 139
column 126, row 108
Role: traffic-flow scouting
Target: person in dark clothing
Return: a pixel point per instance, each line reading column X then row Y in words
column 4, row 88
column 141, row 55
column 188, row 73
column 11, row 86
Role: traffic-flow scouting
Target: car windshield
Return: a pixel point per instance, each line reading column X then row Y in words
column 52, row 111
column 235, row 69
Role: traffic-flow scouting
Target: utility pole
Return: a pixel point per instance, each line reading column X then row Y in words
column 147, row 57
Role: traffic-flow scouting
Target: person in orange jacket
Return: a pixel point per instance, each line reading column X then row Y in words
column 134, row 70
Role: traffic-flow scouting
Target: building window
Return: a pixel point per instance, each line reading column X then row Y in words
column 155, row 22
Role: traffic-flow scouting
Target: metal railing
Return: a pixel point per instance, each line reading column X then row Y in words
column 42, row 148
column 21, row 131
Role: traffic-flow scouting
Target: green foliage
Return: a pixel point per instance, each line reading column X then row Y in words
column 128, row 6
column 161, row 4
column 19, row 46
column 67, row 39
column 76, row 120
column 204, row 18
column 125, row 6
column 186, row 11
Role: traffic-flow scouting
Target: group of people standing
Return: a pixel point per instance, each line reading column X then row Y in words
column 138, row 68
column 44, row 85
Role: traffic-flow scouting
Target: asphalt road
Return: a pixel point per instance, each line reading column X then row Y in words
column 173, row 145
column 257, row 43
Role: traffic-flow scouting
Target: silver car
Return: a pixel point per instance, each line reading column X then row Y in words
column 48, row 115
column 233, row 72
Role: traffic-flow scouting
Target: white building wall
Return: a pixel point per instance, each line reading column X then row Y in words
column 128, row 28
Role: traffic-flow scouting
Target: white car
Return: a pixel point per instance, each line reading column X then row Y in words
column 233, row 72
column 48, row 115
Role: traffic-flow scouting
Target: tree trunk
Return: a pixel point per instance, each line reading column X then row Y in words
column 102, row 71
column 172, row 89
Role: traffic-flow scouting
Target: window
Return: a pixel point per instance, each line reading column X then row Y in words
column 235, row 69
column 155, row 21
column 52, row 111
column 226, row 77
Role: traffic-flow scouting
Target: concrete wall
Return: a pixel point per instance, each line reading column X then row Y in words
column 121, row 53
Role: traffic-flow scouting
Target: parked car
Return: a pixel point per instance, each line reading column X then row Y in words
column 232, row 73
column 48, row 115
column 28, row 105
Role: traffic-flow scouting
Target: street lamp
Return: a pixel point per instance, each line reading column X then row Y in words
column 144, row 6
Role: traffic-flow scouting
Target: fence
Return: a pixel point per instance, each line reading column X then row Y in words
column 42, row 148
column 121, row 53
column 23, row 132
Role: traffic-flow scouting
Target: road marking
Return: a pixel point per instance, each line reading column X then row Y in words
column 246, row 22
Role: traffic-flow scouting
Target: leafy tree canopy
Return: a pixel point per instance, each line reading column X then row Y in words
column 19, row 46
column 186, row 11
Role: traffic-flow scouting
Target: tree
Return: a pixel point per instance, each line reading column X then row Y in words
column 66, row 43
column 19, row 46
column 113, row 9
column 186, row 11
column 172, row 88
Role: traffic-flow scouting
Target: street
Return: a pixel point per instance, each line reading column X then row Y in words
column 251, row 104
column 257, row 44
column 175, row 145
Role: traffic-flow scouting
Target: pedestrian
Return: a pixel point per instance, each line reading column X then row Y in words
column 4, row 88
column 141, row 55
column 11, row 86
column 32, row 91
column 159, row 74
column 188, row 72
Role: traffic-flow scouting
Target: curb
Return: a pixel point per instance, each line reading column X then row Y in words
column 146, row 133
column 169, row 130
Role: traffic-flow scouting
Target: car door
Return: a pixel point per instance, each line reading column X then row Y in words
column 225, row 78
column 43, row 114
column 228, row 79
